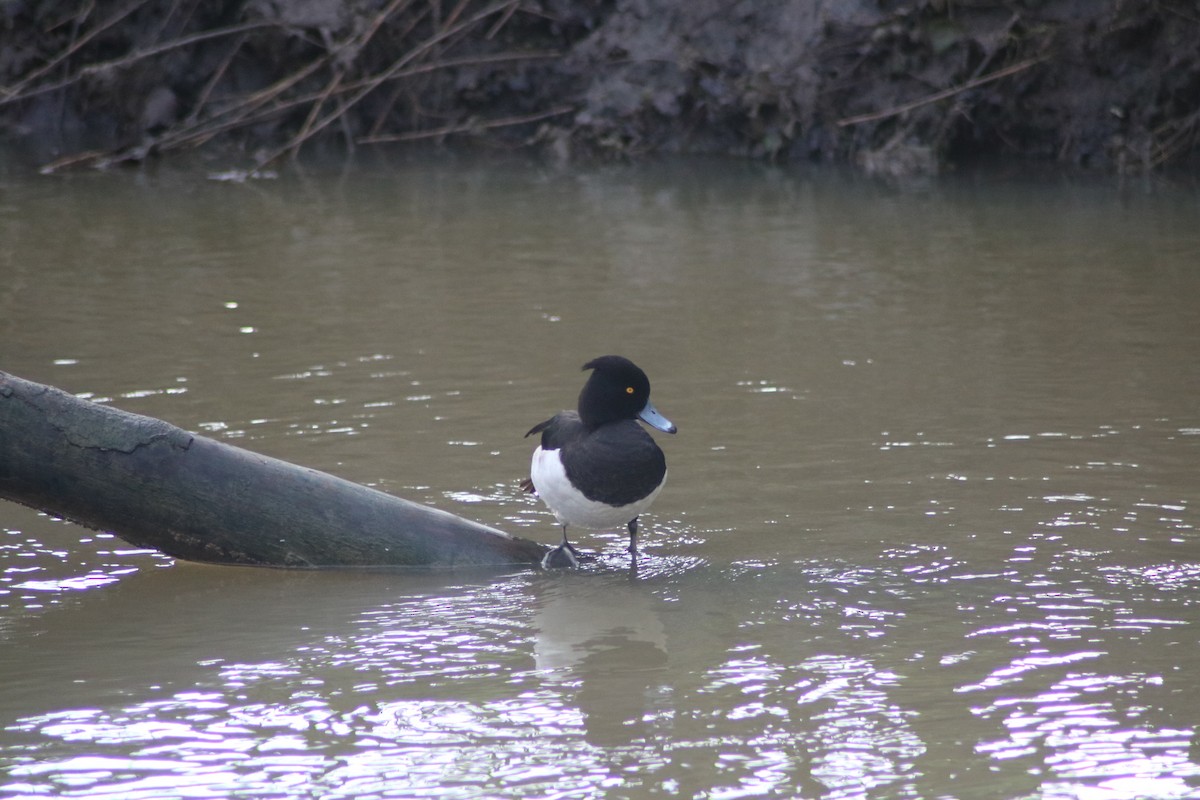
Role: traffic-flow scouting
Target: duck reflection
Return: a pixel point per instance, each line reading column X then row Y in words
column 604, row 633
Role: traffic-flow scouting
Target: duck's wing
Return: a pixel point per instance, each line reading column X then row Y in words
column 541, row 426
column 563, row 427
column 556, row 431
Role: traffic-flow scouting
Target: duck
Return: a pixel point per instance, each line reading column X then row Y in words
column 596, row 467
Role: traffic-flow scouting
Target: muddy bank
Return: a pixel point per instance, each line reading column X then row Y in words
column 894, row 87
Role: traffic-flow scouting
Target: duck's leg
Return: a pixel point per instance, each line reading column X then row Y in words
column 562, row 556
column 633, row 536
column 567, row 544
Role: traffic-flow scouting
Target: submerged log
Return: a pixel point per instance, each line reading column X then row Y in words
column 157, row 486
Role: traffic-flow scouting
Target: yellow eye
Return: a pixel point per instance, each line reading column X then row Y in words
column 628, row 390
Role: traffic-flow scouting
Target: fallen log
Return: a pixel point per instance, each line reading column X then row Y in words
column 157, row 486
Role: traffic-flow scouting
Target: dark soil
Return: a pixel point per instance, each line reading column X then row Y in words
column 896, row 87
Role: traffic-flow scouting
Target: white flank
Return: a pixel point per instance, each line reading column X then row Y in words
column 568, row 503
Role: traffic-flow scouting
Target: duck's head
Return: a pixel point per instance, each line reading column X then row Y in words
column 617, row 389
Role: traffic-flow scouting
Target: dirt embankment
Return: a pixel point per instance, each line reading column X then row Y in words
column 897, row 87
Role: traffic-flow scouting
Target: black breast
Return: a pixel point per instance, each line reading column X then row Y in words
column 618, row 463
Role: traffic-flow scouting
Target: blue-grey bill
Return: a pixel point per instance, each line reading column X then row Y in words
column 650, row 416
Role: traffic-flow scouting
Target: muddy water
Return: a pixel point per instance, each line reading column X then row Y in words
column 930, row 530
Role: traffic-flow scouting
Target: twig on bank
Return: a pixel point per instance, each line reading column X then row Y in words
column 375, row 81
column 942, row 95
column 251, row 115
column 313, row 96
column 1170, row 143
column 85, row 158
column 14, row 92
column 241, row 113
column 466, row 127
column 19, row 92
column 214, row 79
column 354, row 45
column 500, row 23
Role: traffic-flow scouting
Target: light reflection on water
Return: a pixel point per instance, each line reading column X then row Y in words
column 929, row 531
column 618, row 671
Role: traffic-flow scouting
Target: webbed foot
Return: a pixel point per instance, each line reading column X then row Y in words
column 562, row 557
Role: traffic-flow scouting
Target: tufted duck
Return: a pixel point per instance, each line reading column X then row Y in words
column 596, row 467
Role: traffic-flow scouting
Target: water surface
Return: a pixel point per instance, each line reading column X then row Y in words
column 930, row 528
